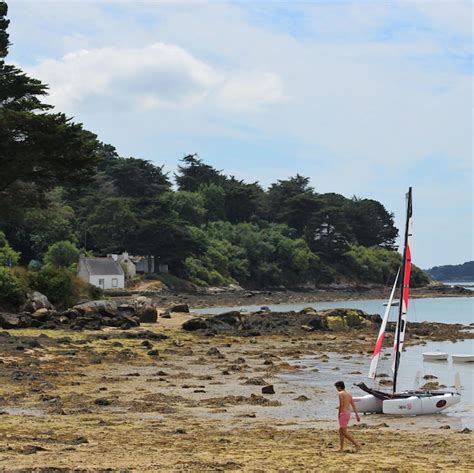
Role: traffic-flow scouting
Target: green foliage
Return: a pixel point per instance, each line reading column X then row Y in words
column 194, row 173
column 253, row 256
column 379, row 265
column 372, row 264
column 188, row 205
column 138, row 178
column 8, row 256
column 12, row 292
column 59, row 284
column 62, row 254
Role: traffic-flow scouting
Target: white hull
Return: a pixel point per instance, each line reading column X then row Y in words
column 435, row 356
column 368, row 404
column 409, row 406
column 463, row 358
column 420, row 405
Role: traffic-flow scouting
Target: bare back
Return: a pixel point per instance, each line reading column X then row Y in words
column 345, row 400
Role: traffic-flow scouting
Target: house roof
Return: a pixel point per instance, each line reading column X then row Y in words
column 102, row 266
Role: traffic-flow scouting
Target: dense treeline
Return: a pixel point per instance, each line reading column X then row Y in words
column 59, row 183
column 453, row 272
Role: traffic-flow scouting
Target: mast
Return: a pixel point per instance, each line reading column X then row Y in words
column 404, row 285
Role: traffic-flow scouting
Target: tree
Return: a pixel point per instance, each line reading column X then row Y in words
column 195, row 173
column 242, row 201
column 37, row 147
column 291, row 202
column 113, row 225
column 61, row 254
column 371, row 224
column 138, row 178
column 214, row 201
column 8, row 256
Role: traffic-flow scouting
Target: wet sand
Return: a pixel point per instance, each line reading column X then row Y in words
column 96, row 400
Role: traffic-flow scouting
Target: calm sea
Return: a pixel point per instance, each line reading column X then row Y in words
column 354, row 369
column 442, row 309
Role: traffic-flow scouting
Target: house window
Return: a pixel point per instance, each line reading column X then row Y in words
column 114, row 282
column 101, row 283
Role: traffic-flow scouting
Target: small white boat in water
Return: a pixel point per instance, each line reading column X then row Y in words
column 435, row 356
column 463, row 358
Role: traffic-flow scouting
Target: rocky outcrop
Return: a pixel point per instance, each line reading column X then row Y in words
column 283, row 323
column 180, row 308
column 35, row 300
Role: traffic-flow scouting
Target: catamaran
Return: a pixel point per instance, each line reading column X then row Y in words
column 414, row 402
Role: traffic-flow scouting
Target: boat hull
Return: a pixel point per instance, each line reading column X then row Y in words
column 368, row 404
column 420, row 405
column 435, row 356
column 463, row 358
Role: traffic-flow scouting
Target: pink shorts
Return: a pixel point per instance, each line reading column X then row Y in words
column 344, row 417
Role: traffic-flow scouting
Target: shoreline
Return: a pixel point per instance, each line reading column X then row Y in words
column 244, row 298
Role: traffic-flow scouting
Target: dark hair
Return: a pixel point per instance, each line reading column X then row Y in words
column 340, row 385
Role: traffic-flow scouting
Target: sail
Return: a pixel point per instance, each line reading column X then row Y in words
column 405, row 289
column 378, row 345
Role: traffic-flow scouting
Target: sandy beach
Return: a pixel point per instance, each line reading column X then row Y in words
column 136, row 401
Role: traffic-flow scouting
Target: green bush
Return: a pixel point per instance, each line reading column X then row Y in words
column 8, row 256
column 12, row 292
column 58, row 284
column 62, row 254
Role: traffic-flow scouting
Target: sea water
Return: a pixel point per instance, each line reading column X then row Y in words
column 316, row 379
column 413, row 368
column 449, row 310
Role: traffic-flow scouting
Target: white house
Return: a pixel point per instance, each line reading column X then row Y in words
column 101, row 272
column 135, row 264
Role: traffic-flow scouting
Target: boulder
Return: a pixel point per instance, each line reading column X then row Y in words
column 35, row 300
column 268, row 389
column 103, row 307
column 40, row 314
column 147, row 314
column 195, row 324
column 233, row 317
column 180, row 308
column 10, row 320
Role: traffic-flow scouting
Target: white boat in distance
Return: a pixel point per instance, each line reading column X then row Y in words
column 394, row 304
column 435, row 356
column 463, row 358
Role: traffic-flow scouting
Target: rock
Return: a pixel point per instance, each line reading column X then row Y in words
column 307, row 328
column 180, row 430
column 147, row 344
column 147, row 314
column 302, row 398
column 180, row 308
column 445, row 427
column 102, row 307
column 213, row 351
column 165, row 315
column 256, row 382
column 268, row 389
column 195, row 324
column 35, row 300
column 466, row 430
column 102, row 402
column 153, row 352
column 40, row 314
column 10, row 320
column 79, row 441
column 430, row 376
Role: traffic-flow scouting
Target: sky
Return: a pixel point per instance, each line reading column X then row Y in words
column 366, row 98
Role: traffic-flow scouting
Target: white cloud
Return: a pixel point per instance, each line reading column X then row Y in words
column 158, row 75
